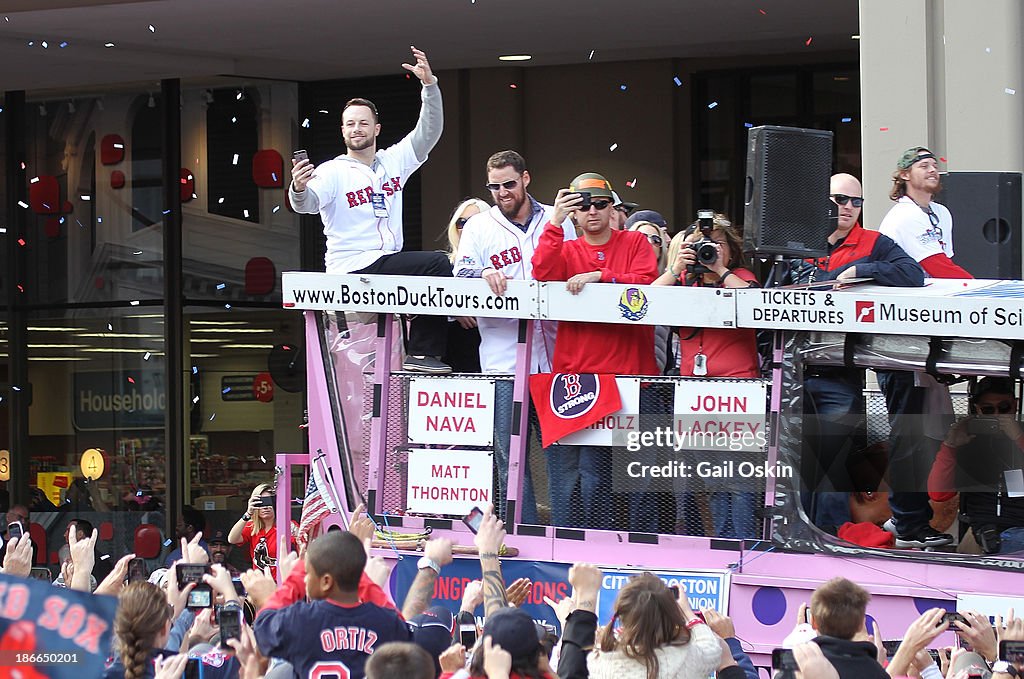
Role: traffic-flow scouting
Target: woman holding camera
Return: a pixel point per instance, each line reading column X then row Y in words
column 712, row 257
column 258, row 529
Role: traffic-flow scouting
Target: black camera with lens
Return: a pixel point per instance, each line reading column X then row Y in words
column 706, row 248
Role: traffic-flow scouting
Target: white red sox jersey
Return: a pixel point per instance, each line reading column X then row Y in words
column 361, row 207
column 911, row 228
column 489, row 240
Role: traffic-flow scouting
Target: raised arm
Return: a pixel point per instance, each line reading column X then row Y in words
column 437, row 554
column 488, row 542
column 431, row 121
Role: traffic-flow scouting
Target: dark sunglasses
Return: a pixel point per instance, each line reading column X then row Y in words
column 508, row 186
column 1002, row 408
column 599, row 204
column 461, row 222
column 933, row 219
column 655, row 239
column 843, row 199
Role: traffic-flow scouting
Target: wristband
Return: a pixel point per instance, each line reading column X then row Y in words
column 427, row 562
column 246, row 517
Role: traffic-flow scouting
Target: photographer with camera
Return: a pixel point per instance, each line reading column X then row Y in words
column 712, row 256
column 981, row 458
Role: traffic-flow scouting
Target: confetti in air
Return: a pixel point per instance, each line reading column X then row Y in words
column 613, row 147
column 622, row 87
column 134, row 302
column 245, row 213
column 748, row 125
column 808, row 43
column 942, row 159
column 591, row 55
column 762, row 11
column 221, row 286
column 22, row 204
column 883, row 129
column 305, row 123
column 225, row 390
column 168, row 542
column 110, row 326
column 632, row 184
column 234, row 159
column 1010, row 91
column 213, row 417
column 220, row 201
column 21, row 242
column 131, row 380
column 276, row 208
column 846, row 120
column 513, row 86
column 137, row 253
column 263, row 459
column 195, row 370
column 109, row 45
column 62, row 45
column 152, row 29
column 713, row 104
column 195, row 399
column 677, row 81
column 147, row 356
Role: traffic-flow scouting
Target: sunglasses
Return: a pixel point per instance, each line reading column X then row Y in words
column 1002, row 408
column 843, row 199
column 599, row 204
column 508, row 186
column 655, row 239
column 461, row 222
column 933, row 219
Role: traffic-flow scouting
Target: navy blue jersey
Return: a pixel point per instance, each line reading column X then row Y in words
column 326, row 640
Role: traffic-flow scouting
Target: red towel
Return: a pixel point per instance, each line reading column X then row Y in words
column 569, row 402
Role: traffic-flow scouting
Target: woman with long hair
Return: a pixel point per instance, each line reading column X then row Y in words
column 258, row 529
column 716, row 352
column 652, row 634
column 463, row 353
column 141, row 628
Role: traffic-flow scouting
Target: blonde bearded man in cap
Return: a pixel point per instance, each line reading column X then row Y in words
column 600, row 255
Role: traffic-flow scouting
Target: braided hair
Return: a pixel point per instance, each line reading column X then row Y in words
column 142, row 614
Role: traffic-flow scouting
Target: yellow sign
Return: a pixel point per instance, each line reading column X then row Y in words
column 53, row 484
column 92, row 464
column 5, row 465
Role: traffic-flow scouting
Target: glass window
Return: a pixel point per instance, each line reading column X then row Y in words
column 232, row 139
column 146, row 154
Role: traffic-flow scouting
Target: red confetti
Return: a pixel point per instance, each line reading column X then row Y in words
column 131, row 380
column 808, row 43
column 21, row 288
column 883, row 129
column 513, row 86
column 762, row 11
column 21, row 242
column 942, row 159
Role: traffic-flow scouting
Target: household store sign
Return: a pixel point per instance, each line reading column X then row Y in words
column 131, row 399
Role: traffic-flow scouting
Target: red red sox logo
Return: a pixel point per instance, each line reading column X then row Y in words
column 506, row 257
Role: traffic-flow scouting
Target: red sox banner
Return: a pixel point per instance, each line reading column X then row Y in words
column 569, row 402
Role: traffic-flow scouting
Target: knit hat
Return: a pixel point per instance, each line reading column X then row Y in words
column 595, row 184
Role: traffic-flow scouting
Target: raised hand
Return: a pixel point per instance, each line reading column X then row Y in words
column 421, row 69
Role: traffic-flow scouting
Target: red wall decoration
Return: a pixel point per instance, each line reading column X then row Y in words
column 260, row 276
column 111, row 149
column 268, row 169
column 117, row 179
column 188, row 185
column 44, row 195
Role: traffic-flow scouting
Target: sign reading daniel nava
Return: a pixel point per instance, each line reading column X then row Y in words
column 451, row 411
column 449, row 481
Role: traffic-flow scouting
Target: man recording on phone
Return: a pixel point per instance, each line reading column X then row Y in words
column 981, row 458
column 359, row 198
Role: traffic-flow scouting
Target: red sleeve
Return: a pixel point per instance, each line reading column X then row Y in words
column 247, row 531
column 291, row 590
column 643, row 265
column 941, row 266
column 942, row 478
column 746, row 275
column 548, row 262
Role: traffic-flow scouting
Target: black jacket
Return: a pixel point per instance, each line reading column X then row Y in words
column 577, row 642
column 852, row 659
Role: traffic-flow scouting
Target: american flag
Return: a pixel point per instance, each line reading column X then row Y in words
column 317, row 505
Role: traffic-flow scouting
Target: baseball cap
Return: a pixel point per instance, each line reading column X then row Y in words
column 618, row 202
column 646, row 216
column 597, row 185
column 158, row 576
column 432, row 631
column 218, row 536
column 968, row 666
column 514, row 631
column 913, row 155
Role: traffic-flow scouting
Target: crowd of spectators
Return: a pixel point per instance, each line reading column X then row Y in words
column 332, row 616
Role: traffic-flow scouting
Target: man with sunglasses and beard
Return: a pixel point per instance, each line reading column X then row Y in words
column 835, row 394
column 498, row 245
column 919, row 405
column 981, row 457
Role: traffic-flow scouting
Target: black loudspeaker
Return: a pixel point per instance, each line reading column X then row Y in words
column 786, row 203
column 986, row 209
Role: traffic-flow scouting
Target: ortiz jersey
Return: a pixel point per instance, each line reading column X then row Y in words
column 324, row 639
column 361, row 206
column 489, row 240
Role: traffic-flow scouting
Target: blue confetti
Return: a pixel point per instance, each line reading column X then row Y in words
column 221, row 286
column 64, row 44
column 273, row 175
column 748, row 125
column 227, row 306
column 225, row 390
column 677, row 81
column 846, row 120
column 713, row 104
column 622, row 87
column 167, row 212
column 195, row 370
column 168, row 542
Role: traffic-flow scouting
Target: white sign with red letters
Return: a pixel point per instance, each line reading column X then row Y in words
column 615, row 425
column 449, row 481
column 451, row 411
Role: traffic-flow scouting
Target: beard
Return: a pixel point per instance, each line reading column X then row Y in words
column 512, row 210
column 360, row 144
